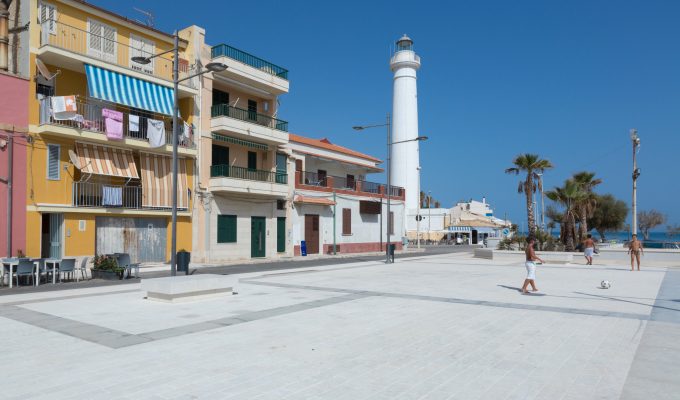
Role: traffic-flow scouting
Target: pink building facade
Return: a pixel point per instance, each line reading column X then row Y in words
column 13, row 144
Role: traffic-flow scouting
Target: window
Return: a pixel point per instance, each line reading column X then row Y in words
column 101, row 41
column 280, row 204
column 252, row 110
column 53, row 154
column 321, row 176
column 226, row 229
column 391, row 229
column 281, row 168
column 346, row 221
column 220, row 155
column 350, row 181
column 144, row 48
column 44, row 90
column 219, row 97
column 252, row 160
column 48, row 18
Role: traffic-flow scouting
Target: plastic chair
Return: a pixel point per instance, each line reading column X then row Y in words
column 25, row 268
column 67, row 265
column 124, row 262
column 83, row 268
column 40, row 265
column 4, row 270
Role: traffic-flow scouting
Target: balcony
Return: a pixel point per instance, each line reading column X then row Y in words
column 227, row 178
column 93, row 124
column 248, row 124
column 57, row 37
column 247, row 68
column 314, row 181
column 99, row 195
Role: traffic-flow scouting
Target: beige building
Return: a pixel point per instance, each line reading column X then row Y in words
column 242, row 196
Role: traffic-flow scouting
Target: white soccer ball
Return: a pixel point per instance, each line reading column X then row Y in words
column 605, row 284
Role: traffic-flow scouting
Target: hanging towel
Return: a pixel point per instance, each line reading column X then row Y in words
column 133, row 122
column 112, row 196
column 155, row 132
column 64, row 107
column 113, row 121
column 187, row 130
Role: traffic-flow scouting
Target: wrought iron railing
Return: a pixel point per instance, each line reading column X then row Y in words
column 248, row 174
column 89, row 117
column 219, row 110
column 104, row 48
column 370, row 187
column 248, row 59
column 314, row 179
column 339, row 182
column 92, row 194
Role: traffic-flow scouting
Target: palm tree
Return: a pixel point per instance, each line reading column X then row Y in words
column 569, row 196
column 533, row 165
column 586, row 181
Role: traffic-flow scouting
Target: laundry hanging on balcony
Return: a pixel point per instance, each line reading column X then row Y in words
column 123, row 89
column 113, row 121
column 105, row 160
column 65, row 108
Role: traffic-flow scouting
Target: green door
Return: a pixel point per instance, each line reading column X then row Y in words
column 281, row 234
column 257, row 236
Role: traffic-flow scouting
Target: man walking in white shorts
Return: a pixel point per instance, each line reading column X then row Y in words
column 531, row 266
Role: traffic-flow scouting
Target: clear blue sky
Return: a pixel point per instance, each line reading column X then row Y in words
column 566, row 80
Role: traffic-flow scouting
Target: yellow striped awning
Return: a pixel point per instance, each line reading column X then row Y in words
column 157, row 181
column 105, row 160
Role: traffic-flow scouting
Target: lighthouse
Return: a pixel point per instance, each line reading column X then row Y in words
column 405, row 165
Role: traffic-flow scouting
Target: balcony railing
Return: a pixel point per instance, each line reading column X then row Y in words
column 89, row 194
column 339, row 182
column 223, row 50
column 103, row 48
column 248, row 174
column 224, row 110
column 92, row 120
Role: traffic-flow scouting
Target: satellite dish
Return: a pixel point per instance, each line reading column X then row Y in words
column 44, row 71
column 74, row 159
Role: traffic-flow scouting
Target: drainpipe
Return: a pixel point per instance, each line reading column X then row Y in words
column 334, row 207
column 4, row 35
column 10, row 192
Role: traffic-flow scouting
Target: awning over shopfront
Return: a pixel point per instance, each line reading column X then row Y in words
column 123, row 89
column 465, row 229
column 313, row 200
column 156, row 173
column 104, row 160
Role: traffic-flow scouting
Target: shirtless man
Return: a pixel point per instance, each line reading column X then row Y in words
column 531, row 267
column 635, row 250
column 589, row 249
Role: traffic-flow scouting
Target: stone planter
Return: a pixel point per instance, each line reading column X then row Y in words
column 107, row 275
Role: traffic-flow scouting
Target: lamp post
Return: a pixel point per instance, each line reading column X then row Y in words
column 636, row 173
column 540, row 186
column 388, row 124
column 418, row 217
column 429, row 215
column 210, row 67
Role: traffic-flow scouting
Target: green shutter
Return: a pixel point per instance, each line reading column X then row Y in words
column 281, row 234
column 226, row 229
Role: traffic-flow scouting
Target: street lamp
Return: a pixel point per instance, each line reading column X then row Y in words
column 540, row 186
column 636, row 173
column 388, row 124
column 210, row 67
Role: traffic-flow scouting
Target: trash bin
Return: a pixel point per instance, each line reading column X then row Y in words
column 183, row 259
column 392, row 248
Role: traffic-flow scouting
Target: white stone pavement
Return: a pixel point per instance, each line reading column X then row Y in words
column 441, row 327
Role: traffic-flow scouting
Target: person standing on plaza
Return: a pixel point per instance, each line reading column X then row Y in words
column 531, row 266
column 635, row 251
column 589, row 249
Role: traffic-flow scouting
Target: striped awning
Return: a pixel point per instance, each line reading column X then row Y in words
column 156, row 172
column 123, row 89
column 460, row 229
column 240, row 142
column 105, row 160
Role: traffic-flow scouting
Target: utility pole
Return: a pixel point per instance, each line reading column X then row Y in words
column 636, row 173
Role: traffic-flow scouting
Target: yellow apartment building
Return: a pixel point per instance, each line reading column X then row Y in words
column 100, row 150
column 244, row 181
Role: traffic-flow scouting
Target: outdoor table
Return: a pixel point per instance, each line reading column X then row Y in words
column 11, row 263
column 55, row 264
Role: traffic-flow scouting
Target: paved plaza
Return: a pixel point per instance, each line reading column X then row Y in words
column 446, row 326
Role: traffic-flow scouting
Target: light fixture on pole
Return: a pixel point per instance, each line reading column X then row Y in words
column 636, row 174
column 388, row 124
column 210, row 67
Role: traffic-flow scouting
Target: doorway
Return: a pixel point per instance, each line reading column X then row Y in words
column 52, row 236
column 312, row 233
column 257, row 236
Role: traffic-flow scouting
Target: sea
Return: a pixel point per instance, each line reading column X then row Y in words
column 624, row 236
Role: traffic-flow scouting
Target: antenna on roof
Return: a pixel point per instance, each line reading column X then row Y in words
column 149, row 17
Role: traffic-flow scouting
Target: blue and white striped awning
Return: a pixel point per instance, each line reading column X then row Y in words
column 123, row 89
column 460, row 229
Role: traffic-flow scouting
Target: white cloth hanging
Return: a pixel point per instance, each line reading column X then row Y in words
column 155, row 132
column 133, row 123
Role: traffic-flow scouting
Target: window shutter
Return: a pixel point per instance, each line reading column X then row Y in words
column 346, row 221
column 94, row 39
column 48, row 17
column 53, row 162
column 109, row 43
column 226, row 229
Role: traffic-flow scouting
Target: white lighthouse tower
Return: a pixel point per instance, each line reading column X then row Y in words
column 405, row 163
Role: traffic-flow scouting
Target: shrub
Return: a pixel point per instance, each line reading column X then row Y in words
column 105, row 263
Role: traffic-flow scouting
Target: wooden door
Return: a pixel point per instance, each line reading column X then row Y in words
column 312, row 233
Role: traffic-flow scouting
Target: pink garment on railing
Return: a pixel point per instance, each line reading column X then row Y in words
column 113, row 120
